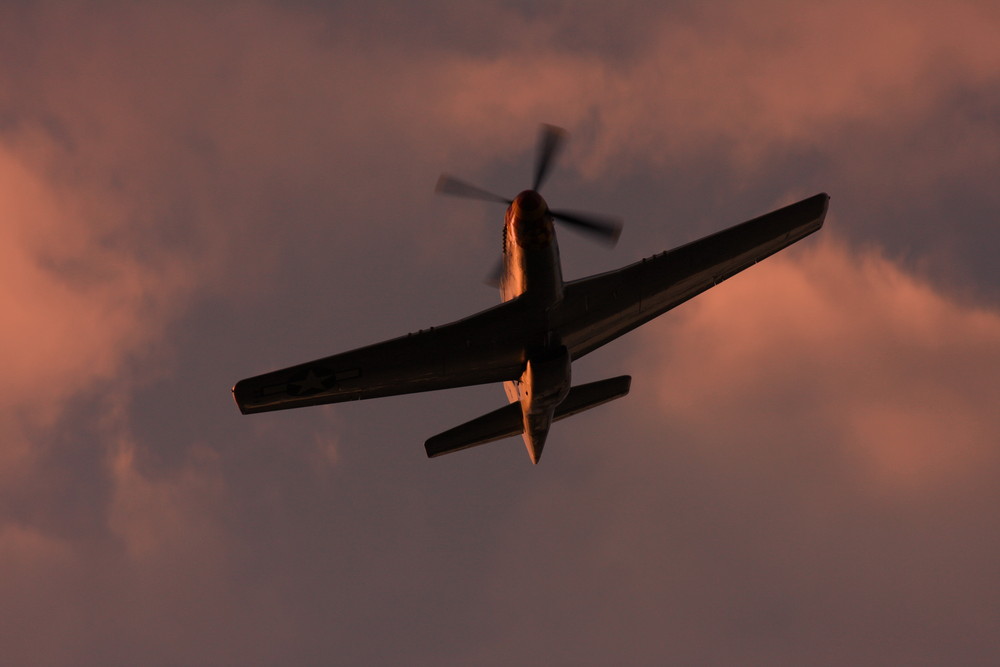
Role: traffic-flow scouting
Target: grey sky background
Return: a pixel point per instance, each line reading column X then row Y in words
column 804, row 473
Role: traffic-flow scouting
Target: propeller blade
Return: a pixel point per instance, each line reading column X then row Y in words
column 601, row 228
column 549, row 143
column 448, row 185
column 495, row 275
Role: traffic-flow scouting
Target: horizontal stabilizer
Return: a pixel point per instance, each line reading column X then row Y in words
column 592, row 394
column 502, row 423
column 508, row 420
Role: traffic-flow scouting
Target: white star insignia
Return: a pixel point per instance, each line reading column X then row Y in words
column 311, row 382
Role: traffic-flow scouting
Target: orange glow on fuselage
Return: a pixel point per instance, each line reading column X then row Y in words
column 531, row 255
column 530, row 219
column 532, row 271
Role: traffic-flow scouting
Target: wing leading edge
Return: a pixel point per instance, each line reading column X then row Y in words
column 490, row 346
column 483, row 348
column 601, row 308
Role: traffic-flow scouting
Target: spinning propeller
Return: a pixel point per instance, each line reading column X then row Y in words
column 600, row 228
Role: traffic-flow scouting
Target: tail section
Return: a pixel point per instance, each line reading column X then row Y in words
column 509, row 421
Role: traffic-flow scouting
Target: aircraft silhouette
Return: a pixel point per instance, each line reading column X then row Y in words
column 529, row 341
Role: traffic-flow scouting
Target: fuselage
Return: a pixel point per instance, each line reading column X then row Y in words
column 532, row 272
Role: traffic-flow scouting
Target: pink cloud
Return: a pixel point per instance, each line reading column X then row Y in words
column 74, row 307
column 895, row 374
column 155, row 156
column 748, row 79
column 799, row 475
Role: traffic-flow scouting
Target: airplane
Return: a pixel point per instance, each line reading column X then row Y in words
column 543, row 323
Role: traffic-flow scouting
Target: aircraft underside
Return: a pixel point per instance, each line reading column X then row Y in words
column 529, row 341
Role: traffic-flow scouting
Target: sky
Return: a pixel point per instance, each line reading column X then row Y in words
column 805, row 471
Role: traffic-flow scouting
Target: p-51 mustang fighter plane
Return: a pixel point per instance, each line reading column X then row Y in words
column 529, row 341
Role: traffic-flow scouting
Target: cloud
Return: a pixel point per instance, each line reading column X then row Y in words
column 848, row 348
column 803, row 449
column 744, row 80
column 806, row 457
column 76, row 304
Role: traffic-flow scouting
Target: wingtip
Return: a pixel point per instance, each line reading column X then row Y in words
column 241, row 404
column 825, row 199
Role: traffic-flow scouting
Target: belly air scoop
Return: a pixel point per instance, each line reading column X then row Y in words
column 544, row 384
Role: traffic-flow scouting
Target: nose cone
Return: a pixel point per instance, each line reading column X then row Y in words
column 529, row 205
column 529, row 221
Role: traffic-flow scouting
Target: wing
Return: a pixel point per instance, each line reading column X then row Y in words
column 485, row 347
column 601, row 308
